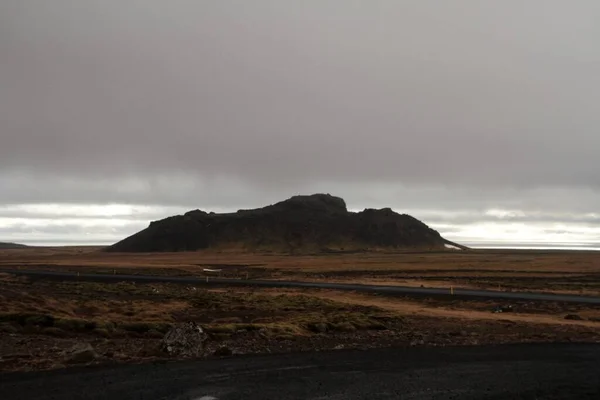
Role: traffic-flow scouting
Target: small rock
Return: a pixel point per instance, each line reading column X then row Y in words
column 184, row 340
column 574, row 317
column 81, row 353
column 503, row 309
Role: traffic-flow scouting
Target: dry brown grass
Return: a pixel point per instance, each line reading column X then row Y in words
column 406, row 307
column 107, row 309
column 533, row 262
column 125, row 321
column 535, row 270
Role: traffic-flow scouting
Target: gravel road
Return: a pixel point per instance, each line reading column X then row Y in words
column 390, row 290
column 531, row 371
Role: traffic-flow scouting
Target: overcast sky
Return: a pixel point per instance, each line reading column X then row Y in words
column 480, row 118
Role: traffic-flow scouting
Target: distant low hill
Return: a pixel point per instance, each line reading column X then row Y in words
column 5, row 245
column 315, row 223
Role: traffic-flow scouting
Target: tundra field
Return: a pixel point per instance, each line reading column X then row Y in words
column 41, row 320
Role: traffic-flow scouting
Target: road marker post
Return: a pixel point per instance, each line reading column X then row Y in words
column 452, row 290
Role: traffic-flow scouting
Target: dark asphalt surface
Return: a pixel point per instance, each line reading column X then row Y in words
column 559, row 371
column 390, row 290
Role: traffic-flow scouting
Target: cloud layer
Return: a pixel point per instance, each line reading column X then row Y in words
column 461, row 106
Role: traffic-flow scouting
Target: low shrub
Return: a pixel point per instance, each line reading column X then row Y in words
column 7, row 327
column 53, row 331
column 74, row 324
column 102, row 332
column 343, row 327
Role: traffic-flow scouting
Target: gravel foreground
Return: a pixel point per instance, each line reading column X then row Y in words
column 527, row 371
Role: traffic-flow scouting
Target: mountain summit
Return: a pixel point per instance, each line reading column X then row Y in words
column 301, row 224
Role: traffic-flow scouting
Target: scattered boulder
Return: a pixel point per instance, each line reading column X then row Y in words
column 574, row 317
column 81, row 353
column 184, row 340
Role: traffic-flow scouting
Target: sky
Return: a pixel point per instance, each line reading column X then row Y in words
column 479, row 118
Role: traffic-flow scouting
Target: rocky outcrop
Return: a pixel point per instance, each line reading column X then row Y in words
column 81, row 353
column 315, row 223
column 184, row 340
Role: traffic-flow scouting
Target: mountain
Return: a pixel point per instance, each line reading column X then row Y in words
column 301, row 224
column 4, row 245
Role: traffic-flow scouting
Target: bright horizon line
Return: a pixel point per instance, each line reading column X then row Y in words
column 474, row 245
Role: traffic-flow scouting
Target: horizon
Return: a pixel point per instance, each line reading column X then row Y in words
column 133, row 225
column 115, row 114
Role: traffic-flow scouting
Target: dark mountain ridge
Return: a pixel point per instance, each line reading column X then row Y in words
column 314, row 223
column 8, row 246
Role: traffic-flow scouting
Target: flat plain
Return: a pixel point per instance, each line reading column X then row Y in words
column 124, row 322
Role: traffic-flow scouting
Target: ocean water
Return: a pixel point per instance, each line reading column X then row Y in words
column 535, row 246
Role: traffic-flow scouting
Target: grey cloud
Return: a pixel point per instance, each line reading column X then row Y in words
column 275, row 95
column 181, row 193
column 558, row 231
column 134, row 214
column 60, row 228
column 456, row 106
column 475, row 217
column 60, row 233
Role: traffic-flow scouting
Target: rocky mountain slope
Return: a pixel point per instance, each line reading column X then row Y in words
column 315, row 223
column 5, row 246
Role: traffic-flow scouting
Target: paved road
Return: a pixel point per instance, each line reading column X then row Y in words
column 500, row 372
column 390, row 290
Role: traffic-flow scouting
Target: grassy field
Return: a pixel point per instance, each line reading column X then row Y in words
column 531, row 270
column 124, row 322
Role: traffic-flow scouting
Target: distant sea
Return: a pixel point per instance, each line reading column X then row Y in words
column 535, row 246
